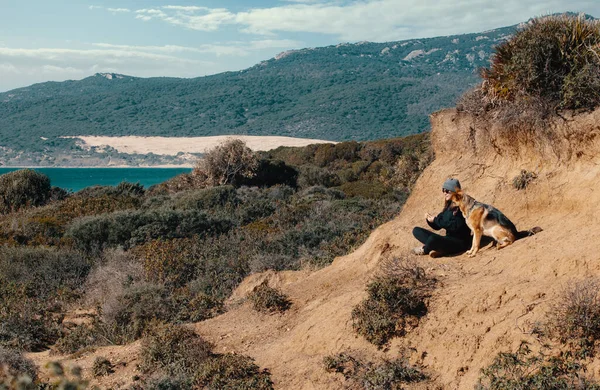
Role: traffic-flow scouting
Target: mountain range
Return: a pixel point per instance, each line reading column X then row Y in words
column 350, row 91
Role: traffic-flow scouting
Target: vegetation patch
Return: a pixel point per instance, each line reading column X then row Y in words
column 14, row 364
column 525, row 369
column 549, row 65
column 174, row 350
column 383, row 375
column 575, row 318
column 268, row 300
column 102, row 367
column 174, row 254
column 23, row 188
column 523, row 179
column 231, row 371
column 396, row 299
column 573, row 321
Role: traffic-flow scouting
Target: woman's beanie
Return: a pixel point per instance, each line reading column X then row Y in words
column 451, row 185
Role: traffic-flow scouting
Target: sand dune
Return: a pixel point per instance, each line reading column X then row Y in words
column 173, row 145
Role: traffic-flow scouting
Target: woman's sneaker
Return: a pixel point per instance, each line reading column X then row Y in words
column 418, row 250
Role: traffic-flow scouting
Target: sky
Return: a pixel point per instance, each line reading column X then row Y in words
column 56, row 40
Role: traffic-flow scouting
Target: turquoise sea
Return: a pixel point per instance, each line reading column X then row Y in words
column 75, row 179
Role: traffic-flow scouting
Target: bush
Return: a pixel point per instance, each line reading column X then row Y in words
column 268, row 300
column 230, row 371
column 523, row 179
column 102, row 367
column 130, row 228
column 174, row 350
column 387, row 374
column 392, row 298
column 79, row 338
column 23, row 188
column 554, row 58
column 232, row 162
column 16, row 365
column 133, row 312
column 35, row 283
column 528, row 371
column 314, row 176
column 206, row 198
column 575, row 318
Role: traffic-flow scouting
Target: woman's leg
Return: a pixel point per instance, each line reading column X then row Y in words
column 422, row 234
column 427, row 237
column 444, row 245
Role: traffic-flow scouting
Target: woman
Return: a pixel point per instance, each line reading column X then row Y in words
column 458, row 234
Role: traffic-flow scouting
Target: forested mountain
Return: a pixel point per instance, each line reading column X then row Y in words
column 358, row 91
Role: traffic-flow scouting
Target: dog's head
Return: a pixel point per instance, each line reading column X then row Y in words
column 457, row 197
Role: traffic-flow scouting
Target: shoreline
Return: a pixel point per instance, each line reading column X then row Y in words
column 101, row 166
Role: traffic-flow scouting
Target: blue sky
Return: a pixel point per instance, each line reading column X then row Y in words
column 42, row 40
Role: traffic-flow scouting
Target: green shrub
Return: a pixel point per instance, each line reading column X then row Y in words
column 364, row 189
column 393, row 297
column 35, row 284
column 206, row 198
column 23, row 188
column 268, row 300
column 102, row 367
column 133, row 312
column 523, row 179
column 529, row 371
column 16, row 365
column 167, row 382
column 315, row 176
column 76, row 339
column 272, row 172
column 130, row 228
column 230, row 371
column 555, row 58
column 575, row 318
column 174, row 350
column 387, row 374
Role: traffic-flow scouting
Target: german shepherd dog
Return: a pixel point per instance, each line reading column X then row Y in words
column 484, row 219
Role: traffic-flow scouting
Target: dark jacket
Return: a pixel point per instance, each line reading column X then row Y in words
column 453, row 221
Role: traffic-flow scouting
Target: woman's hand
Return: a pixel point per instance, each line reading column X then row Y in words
column 429, row 217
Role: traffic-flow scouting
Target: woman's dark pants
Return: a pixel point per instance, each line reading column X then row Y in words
column 442, row 244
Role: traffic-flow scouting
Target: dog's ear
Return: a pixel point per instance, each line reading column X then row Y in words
column 457, row 194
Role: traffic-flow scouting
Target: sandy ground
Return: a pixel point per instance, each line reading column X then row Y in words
column 480, row 307
column 174, row 145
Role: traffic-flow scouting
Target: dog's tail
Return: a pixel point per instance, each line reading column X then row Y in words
column 527, row 233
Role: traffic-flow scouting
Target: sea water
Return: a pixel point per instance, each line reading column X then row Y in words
column 75, row 179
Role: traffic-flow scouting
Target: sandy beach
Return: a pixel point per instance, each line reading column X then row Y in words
column 173, row 145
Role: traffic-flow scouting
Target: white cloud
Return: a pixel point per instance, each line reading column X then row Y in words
column 185, row 8
column 374, row 20
column 118, row 10
column 93, row 7
column 62, row 55
column 48, row 69
column 236, row 48
column 8, row 68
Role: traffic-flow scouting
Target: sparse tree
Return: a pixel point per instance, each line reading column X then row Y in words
column 228, row 163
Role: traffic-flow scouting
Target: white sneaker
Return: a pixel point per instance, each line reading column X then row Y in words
column 418, row 250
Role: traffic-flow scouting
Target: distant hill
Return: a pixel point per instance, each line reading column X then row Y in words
column 359, row 91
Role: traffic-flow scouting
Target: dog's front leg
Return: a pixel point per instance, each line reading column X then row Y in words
column 477, row 233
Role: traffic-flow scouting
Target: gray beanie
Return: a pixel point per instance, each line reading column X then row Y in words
column 451, row 185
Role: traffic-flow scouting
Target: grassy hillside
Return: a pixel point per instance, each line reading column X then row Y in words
column 360, row 91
